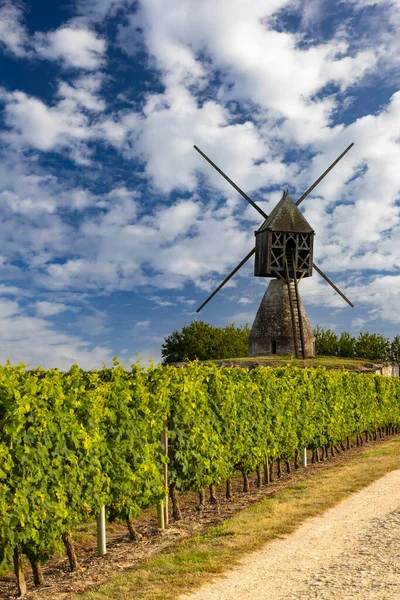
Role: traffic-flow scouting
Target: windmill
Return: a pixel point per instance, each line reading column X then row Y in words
column 284, row 252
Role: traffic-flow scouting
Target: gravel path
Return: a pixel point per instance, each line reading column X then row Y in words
column 351, row 552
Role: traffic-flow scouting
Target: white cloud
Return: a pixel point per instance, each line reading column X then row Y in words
column 258, row 61
column 41, row 126
column 93, row 325
column 34, row 341
column 177, row 219
column 378, row 293
column 358, row 322
column 83, row 92
column 312, row 12
column 144, row 324
column 121, row 130
column 269, row 100
column 244, row 300
column 48, row 309
column 176, row 123
column 363, row 230
column 161, row 302
column 97, row 10
column 382, row 295
column 12, row 30
column 26, row 205
column 64, row 126
column 243, row 48
column 186, row 301
column 74, row 47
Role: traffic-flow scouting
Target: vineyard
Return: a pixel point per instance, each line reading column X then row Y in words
column 73, row 442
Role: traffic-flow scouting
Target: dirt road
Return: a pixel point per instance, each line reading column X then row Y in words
column 351, row 552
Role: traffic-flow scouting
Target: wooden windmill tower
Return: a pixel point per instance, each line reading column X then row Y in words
column 284, row 252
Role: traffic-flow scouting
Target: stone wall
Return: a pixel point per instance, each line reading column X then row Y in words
column 388, row 370
column 272, row 331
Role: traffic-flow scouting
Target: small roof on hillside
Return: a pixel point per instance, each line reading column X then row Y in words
column 286, row 217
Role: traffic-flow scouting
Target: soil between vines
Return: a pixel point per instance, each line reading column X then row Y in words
column 123, row 554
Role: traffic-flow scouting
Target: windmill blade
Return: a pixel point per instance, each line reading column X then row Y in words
column 246, row 258
column 333, row 285
column 237, row 188
column 310, row 189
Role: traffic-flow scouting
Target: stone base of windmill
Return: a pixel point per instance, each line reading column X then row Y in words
column 272, row 331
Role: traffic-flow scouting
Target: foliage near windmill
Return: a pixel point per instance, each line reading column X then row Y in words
column 372, row 346
column 203, row 341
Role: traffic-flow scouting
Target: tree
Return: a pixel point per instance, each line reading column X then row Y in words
column 346, row 345
column 326, row 342
column 395, row 349
column 373, row 346
column 205, row 342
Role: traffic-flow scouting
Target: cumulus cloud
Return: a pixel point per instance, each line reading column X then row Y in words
column 12, row 29
column 160, row 302
column 144, row 324
column 361, row 231
column 256, row 61
column 383, row 297
column 68, row 124
column 119, row 248
column 265, row 104
column 98, row 10
column 74, row 47
column 358, row 322
column 93, row 325
column 34, row 341
column 49, row 309
column 244, row 300
column 41, row 126
column 83, row 92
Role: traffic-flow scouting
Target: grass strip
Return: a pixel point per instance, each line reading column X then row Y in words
column 193, row 562
column 330, row 362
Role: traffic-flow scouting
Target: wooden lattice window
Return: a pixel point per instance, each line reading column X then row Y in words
column 276, row 258
column 303, row 260
column 277, row 239
column 304, row 241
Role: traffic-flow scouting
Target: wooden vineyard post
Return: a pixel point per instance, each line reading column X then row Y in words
column 266, row 471
column 165, row 444
column 160, row 515
column 304, row 458
column 162, row 507
column 19, row 571
column 101, row 532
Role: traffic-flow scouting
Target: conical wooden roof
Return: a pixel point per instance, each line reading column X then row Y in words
column 286, row 217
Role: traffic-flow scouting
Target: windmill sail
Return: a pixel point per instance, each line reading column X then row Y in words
column 262, row 227
column 314, row 185
column 231, row 274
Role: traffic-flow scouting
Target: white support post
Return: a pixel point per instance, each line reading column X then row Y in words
column 304, row 458
column 101, row 532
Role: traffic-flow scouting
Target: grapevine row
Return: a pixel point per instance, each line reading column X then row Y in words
column 75, row 441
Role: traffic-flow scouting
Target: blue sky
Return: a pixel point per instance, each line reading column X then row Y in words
column 113, row 229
